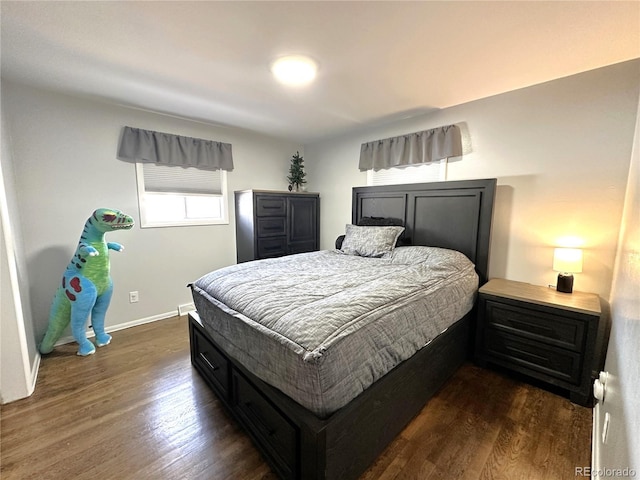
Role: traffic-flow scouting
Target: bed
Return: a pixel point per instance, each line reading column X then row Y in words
column 311, row 414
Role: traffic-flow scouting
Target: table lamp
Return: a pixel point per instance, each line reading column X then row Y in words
column 566, row 261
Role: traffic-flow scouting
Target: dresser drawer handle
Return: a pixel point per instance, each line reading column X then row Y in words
column 533, row 355
column 275, row 227
column 270, row 249
column 258, row 419
column 211, row 366
column 272, row 207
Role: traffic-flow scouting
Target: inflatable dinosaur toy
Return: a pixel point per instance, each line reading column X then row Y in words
column 86, row 284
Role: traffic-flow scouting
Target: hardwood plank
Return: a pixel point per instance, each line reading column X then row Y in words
column 137, row 409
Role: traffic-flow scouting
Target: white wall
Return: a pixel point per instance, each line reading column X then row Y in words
column 65, row 167
column 622, row 448
column 560, row 151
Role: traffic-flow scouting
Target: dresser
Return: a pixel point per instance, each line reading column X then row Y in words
column 539, row 332
column 272, row 224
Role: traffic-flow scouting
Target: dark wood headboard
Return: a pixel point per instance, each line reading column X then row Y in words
column 455, row 215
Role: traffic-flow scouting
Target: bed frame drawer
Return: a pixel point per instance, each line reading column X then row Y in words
column 272, row 431
column 211, row 363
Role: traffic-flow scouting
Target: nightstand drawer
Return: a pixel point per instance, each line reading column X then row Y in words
column 271, row 226
column 554, row 362
column 537, row 325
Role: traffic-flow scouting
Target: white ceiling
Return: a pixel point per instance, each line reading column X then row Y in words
column 379, row 61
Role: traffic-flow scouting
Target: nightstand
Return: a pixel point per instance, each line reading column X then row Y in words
column 539, row 332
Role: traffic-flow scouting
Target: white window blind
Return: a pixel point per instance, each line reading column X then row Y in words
column 428, row 172
column 172, row 179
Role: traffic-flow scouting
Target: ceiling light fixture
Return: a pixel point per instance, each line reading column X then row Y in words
column 294, row 70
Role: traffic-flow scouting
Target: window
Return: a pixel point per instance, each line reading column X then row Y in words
column 170, row 195
column 427, row 172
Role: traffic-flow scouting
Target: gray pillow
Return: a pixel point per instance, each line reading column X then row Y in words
column 370, row 241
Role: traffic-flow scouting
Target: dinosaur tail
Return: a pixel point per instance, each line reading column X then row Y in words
column 59, row 319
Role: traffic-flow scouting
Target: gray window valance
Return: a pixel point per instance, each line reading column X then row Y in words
column 411, row 149
column 138, row 145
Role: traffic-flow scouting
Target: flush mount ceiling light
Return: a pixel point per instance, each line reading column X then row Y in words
column 294, row 70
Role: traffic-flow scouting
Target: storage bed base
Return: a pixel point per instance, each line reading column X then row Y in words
column 298, row 444
column 455, row 215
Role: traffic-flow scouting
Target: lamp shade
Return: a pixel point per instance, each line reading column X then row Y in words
column 567, row 260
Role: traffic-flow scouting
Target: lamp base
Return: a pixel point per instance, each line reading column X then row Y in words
column 565, row 283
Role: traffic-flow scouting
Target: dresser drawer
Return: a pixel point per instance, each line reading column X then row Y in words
column 271, row 226
column 274, row 432
column 553, row 362
column 212, row 363
column 272, row 247
column 270, row 206
column 542, row 326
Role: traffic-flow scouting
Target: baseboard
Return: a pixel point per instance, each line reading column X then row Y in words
column 121, row 326
column 34, row 373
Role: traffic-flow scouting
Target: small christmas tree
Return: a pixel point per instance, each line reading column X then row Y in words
column 296, row 172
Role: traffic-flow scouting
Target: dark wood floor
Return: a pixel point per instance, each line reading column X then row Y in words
column 137, row 410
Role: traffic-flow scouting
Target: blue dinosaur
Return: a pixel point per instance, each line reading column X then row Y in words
column 86, row 286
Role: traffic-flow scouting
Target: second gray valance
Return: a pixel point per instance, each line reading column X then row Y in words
column 411, row 149
column 138, row 145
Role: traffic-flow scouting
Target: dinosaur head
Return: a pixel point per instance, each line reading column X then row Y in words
column 109, row 219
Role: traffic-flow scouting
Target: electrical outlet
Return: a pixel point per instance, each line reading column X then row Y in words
column 133, row 297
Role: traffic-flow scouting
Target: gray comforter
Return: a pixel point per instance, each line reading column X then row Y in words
column 323, row 326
